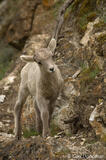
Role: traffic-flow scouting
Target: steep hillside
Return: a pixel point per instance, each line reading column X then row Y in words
column 78, row 127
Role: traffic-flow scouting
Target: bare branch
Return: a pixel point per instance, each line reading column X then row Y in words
column 60, row 19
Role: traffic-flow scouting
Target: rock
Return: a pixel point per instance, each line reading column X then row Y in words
column 83, row 87
column 88, row 33
column 1, row 124
column 48, row 3
column 97, row 121
column 4, row 21
column 8, row 81
column 2, row 98
column 7, row 11
column 24, row 20
column 62, row 115
column 5, row 137
column 65, row 114
column 43, row 22
column 35, row 43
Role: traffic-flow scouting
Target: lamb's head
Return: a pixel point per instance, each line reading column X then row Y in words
column 43, row 57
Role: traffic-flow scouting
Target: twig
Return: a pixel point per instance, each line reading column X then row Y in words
column 60, row 19
column 76, row 74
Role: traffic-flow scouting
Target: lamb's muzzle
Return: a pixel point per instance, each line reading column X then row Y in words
column 52, row 69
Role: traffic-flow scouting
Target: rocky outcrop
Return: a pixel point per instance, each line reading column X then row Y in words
column 8, row 9
column 22, row 23
column 30, row 20
column 83, row 92
column 98, row 121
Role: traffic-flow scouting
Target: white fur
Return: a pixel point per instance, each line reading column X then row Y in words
column 43, row 84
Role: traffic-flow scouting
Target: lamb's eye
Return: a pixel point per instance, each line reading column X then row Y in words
column 39, row 63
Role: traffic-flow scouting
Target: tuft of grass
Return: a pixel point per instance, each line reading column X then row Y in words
column 104, row 19
column 62, row 152
column 7, row 53
column 28, row 133
column 54, row 129
column 91, row 141
column 57, row 6
column 86, row 13
column 89, row 74
column 68, row 11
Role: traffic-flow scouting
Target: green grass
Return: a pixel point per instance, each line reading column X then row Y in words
column 28, row 133
column 56, row 8
column 90, row 72
column 3, row 69
column 7, row 55
column 54, row 129
column 91, row 141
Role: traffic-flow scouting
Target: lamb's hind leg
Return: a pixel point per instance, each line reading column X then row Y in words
column 38, row 118
column 43, row 108
column 22, row 95
column 51, row 109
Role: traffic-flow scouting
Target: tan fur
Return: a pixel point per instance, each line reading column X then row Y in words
column 43, row 84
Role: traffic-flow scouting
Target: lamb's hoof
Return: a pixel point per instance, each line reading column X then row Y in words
column 17, row 137
column 46, row 135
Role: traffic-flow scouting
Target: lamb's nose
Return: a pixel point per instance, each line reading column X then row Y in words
column 52, row 69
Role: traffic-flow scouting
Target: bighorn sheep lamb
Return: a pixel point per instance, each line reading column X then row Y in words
column 42, row 79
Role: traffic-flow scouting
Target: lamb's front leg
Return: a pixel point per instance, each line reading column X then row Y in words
column 45, row 121
column 43, row 107
column 22, row 95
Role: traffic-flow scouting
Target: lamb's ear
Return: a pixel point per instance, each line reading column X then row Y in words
column 52, row 45
column 27, row 58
